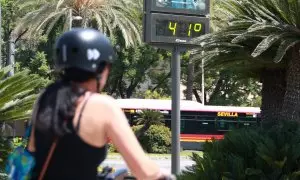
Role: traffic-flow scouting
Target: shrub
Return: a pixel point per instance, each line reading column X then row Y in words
column 247, row 154
column 3, row 176
column 5, row 149
column 112, row 148
column 136, row 128
column 157, row 139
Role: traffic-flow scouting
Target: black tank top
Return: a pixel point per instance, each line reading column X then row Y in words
column 72, row 159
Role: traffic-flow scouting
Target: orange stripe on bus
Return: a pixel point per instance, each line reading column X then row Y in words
column 195, row 140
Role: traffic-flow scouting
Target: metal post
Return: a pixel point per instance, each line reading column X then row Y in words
column 71, row 18
column 203, row 82
column 175, row 122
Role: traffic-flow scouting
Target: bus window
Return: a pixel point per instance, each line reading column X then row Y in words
column 227, row 124
column 186, row 118
column 167, row 119
column 189, row 117
column 182, row 125
column 245, row 122
column 203, row 125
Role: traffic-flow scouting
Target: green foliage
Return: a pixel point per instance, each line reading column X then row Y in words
column 107, row 16
column 135, row 66
column 225, row 87
column 3, row 176
column 112, row 148
column 152, row 95
column 146, row 119
column 157, row 139
column 250, row 154
column 232, row 89
column 17, row 94
column 38, row 65
column 5, row 149
column 150, row 117
column 8, row 20
column 6, row 146
column 135, row 129
column 254, row 34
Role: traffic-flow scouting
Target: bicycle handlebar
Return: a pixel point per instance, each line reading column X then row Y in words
column 120, row 174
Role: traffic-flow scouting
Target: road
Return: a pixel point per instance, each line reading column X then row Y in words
column 163, row 163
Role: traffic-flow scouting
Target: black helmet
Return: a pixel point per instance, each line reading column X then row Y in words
column 83, row 48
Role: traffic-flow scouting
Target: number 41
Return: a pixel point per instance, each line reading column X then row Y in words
column 197, row 28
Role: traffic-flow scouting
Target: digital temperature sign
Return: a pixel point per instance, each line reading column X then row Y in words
column 179, row 29
column 167, row 28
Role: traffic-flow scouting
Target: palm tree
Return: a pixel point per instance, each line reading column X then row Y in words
column 147, row 119
column 105, row 15
column 261, row 39
column 17, row 94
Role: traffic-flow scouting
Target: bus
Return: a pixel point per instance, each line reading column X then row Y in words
column 199, row 123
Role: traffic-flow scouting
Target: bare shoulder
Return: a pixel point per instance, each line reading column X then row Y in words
column 104, row 101
column 108, row 107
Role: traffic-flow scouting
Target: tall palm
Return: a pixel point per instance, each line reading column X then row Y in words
column 261, row 38
column 17, row 94
column 106, row 15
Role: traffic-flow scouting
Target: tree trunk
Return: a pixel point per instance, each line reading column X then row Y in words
column 291, row 104
column 273, row 90
column 142, row 131
column 190, row 80
column 198, row 98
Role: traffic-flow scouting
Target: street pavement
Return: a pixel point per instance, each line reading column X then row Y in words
column 164, row 163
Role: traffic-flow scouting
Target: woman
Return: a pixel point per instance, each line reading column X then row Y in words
column 72, row 121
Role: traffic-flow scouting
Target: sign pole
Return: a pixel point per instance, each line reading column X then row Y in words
column 175, row 122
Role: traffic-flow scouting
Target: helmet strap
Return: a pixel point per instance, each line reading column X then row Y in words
column 98, row 78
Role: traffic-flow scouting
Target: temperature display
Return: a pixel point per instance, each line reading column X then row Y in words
column 174, row 29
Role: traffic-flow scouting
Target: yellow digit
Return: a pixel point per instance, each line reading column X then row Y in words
column 190, row 28
column 173, row 28
column 197, row 27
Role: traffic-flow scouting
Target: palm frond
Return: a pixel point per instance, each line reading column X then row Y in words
column 284, row 46
column 255, row 31
column 109, row 15
column 17, row 95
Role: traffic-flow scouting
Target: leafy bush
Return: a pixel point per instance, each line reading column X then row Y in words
column 157, row 139
column 3, row 176
column 112, row 148
column 135, row 129
column 247, row 154
column 5, row 149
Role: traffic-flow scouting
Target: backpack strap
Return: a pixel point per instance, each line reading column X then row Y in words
column 49, row 156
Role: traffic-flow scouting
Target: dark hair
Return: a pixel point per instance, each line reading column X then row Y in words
column 57, row 104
